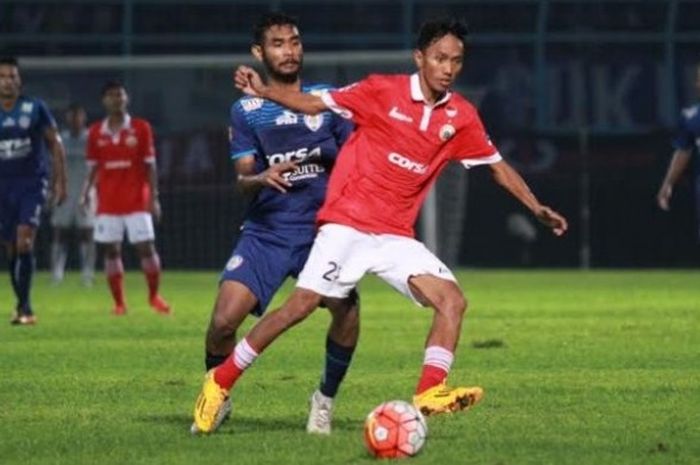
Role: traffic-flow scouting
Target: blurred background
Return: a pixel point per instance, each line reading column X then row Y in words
column 581, row 96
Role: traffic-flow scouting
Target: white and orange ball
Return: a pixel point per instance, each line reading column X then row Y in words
column 395, row 429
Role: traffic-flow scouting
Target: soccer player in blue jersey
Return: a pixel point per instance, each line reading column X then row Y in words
column 684, row 142
column 282, row 159
column 27, row 129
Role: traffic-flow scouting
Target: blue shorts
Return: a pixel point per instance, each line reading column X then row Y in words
column 21, row 200
column 262, row 262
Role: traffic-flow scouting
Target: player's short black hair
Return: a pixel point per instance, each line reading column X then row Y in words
column 112, row 84
column 436, row 29
column 266, row 21
column 9, row 61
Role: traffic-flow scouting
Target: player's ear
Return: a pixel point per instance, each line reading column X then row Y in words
column 256, row 50
column 418, row 58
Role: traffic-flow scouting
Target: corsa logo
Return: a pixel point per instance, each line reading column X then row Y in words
column 405, row 163
column 299, row 155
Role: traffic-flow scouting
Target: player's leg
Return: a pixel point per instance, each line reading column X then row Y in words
column 217, row 384
column 333, row 251
column 141, row 234
column 341, row 341
column 59, row 253
column 31, row 199
column 109, row 233
column 24, row 271
column 415, row 272
column 446, row 298
column 88, row 255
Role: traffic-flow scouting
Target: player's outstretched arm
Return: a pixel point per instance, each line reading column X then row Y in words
column 510, row 180
column 249, row 82
column 676, row 167
column 58, row 165
column 250, row 182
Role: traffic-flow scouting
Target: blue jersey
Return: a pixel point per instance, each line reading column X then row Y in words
column 23, row 151
column 687, row 134
column 274, row 134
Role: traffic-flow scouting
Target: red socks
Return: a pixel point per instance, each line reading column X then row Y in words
column 114, row 269
column 436, row 366
column 233, row 367
column 151, row 269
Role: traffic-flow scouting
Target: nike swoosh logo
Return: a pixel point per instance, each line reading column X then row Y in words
column 396, row 114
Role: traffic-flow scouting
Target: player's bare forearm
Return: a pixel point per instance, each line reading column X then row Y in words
column 249, row 82
column 250, row 182
column 58, row 162
column 510, row 180
column 153, row 186
column 677, row 166
column 299, row 101
column 87, row 185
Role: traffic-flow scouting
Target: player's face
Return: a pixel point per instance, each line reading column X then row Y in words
column 282, row 53
column 440, row 63
column 76, row 119
column 10, row 82
column 115, row 100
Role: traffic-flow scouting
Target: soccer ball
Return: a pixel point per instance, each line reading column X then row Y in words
column 395, row 429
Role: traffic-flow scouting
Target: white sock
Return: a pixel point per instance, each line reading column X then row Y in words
column 438, row 357
column 244, row 355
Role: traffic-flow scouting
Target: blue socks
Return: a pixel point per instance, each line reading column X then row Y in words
column 24, row 268
column 11, row 263
column 337, row 363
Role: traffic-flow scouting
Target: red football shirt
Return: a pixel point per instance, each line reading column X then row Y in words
column 400, row 145
column 121, row 158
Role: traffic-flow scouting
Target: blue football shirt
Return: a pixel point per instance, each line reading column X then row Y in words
column 23, row 152
column 274, row 134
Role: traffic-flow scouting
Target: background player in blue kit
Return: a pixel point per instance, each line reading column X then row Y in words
column 684, row 143
column 27, row 128
column 283, row 160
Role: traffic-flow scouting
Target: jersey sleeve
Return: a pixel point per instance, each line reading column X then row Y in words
column 472, row 146
column 148, row 148
column 683, row 138
column 353, row 101
column 341, row 128
column 44, row 117
column 241, row 137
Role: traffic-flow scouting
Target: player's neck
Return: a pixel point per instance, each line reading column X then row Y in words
column 116, row 121
column 429, row 95
column 285, row 86
column 8, row 103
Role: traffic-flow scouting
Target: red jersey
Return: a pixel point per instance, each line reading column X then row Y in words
column 121, row 158
column 400, row 145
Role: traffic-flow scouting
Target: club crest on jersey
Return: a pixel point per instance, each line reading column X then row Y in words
column 234, row 262
column 27, row 107
column 447, row 132
column 24, row 121
column 131, row 141
column 313, row 122
column 251, row 104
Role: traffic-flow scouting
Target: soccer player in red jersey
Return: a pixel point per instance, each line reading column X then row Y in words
column 122, row 163
column 407, row 129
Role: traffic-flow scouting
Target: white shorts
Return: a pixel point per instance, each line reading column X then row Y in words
column 110, row 228
column 341, row 256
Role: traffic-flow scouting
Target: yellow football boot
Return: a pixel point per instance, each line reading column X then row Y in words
column 444, row 399
column 210, row 409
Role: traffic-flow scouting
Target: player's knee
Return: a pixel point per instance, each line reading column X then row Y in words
column 453, row 305
column 224, row 326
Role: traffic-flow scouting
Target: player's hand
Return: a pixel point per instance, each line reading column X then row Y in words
column 156, row 211
column 663, row 197
column 553, row 220
column 58, row 194
column 274, row 176
column 248, row 81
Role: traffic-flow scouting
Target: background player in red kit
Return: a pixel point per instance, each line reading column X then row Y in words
column 121, row 159
column 407, row 129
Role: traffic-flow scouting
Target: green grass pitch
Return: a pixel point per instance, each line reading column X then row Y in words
column 578, row 368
